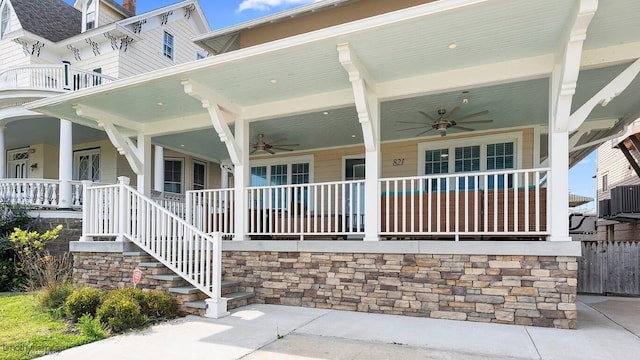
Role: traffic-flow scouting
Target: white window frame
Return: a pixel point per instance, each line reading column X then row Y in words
column 193, row 170
column 85, row 12
column 283, row 161
column 482, row 141
column 76, row 162
column 5, row 10
column 173, row 45
column 605, row 182
column 181, row 160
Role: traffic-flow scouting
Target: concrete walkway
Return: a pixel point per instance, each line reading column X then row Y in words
column 608, row 328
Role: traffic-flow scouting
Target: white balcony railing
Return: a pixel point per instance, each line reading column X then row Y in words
column 50, row 78
column 38, row 193
column 211, row 210
column 511, row 202
column 172, row 202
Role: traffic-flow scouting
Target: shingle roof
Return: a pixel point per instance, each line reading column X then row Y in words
column 53, row 20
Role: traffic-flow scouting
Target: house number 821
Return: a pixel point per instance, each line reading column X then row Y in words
column 398, row 162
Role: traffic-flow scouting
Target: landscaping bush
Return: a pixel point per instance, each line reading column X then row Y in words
column 40, row 267
column 160, row 305
column 53, row 298
column 121, row 310
column 11, row 216
column 83, row 301
column 92, row 327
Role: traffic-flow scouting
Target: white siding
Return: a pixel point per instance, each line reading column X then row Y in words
column 612, row 163
column 12, row 53
column 106, row 15
column 146, row 55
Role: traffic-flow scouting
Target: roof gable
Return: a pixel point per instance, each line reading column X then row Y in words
column 53, row 20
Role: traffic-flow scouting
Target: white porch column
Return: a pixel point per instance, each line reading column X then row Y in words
column 3, row 154
column 241, row 179
column 372, row 181
column 158, row 169
column 65, row 168
column 144, row 177
column 558, row 186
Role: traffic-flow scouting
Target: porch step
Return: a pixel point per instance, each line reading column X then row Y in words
column 167, row 277
column 185, row 290
column 237, row 296
column 151, row 265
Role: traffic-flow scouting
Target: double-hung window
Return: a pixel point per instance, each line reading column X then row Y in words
column 173, row 175
column 5, row 18
column 168, row 45
column 90, row 15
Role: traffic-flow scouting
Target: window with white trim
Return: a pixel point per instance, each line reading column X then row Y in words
column 89, row 14
column 199, row 175
column 168, row 45
column 5, row 18
column 173, row 175
column 605, row 182
column 486, row 153
column 86, row 165
column 283, row 171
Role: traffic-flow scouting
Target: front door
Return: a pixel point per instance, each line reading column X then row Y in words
column 354, row 169
column 18, row 163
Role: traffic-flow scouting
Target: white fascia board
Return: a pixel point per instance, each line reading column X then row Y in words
column 156, row 12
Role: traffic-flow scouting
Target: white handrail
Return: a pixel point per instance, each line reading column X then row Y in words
column 121, row 211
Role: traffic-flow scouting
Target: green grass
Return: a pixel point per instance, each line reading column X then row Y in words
column 26, row 332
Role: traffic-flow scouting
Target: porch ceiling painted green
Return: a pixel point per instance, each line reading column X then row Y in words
column 504, row 56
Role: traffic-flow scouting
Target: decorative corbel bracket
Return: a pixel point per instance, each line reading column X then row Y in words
column 221, row 112
column 118, row 138
column 364, row 93
column 565, row 73
column 604, row 96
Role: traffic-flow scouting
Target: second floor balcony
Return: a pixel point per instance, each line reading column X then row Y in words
column 55, row 78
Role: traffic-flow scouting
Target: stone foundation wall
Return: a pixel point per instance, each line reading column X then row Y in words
column 71, row 231
column 524, row 290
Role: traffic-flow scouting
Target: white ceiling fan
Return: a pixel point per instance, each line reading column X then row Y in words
column 262, row 145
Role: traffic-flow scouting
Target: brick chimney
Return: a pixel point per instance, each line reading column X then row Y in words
column 129, row 5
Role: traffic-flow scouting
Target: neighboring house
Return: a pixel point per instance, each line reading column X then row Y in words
column 48, row 48
column 422, row 121
column 618, row 174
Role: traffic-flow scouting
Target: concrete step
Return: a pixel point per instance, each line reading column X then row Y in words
column 200, row 304
column 151, row 265
column 193, row 290
column 167, row 277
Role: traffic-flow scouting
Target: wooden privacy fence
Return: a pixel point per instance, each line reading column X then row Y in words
column 610, row 267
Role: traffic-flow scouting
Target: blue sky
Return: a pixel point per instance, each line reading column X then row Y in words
column 223, row 13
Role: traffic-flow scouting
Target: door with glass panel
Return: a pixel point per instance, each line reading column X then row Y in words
column 86, row 165
column 17, row 164
column 354, row 169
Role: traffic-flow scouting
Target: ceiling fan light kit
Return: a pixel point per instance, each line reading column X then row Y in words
column 262, row 145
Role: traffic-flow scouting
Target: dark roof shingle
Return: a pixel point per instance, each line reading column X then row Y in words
column 53, row 20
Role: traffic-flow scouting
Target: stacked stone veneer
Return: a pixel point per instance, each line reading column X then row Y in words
column 71, row 231
column 525, row 290
column 111, row 270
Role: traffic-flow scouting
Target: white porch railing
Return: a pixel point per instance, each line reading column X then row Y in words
column 120, row 211
column 50, row 77
column 322, row 209
column 40, row 193
column 172, row 202
column 511, row 202
column 211, row 210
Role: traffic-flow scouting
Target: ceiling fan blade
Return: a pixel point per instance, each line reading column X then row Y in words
column 453, row 112
column 279, row 140
column 411, row 122
column 285, row 145
column 283, row 149
column 427, row 115
column 471, row 115
column 269, row 151
column 254, row 150
column 464, row 128
column 412, row 128
column 424, row 132
column 478, row 122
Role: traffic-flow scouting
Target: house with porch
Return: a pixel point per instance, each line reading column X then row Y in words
column 405, row 158
column 49, row 48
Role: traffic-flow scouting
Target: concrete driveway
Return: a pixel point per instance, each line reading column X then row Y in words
column 608, row 328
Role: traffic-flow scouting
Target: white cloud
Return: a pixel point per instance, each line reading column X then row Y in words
column 266, row 5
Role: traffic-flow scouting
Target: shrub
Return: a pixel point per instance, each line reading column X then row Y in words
column 13, row 216
column 41, row 269
column 83, row 301
column 92, row 327
column 160, row 305
column 121, row 310
column 53, row 298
